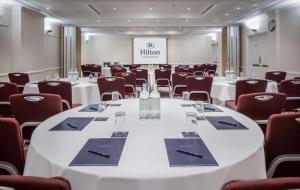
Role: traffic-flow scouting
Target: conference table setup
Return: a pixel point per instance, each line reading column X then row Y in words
column 96, row 149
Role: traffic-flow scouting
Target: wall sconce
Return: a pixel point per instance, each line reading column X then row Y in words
column 48, row 31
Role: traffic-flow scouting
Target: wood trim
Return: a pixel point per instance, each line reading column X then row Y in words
column 78, row 50
column 224, row 50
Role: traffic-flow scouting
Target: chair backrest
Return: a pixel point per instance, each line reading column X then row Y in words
column 130, row 81
column 134, row 66
column 259, row 106
column 34, row 183
column 185, row 70
column 211, row 73
column 6, row 89
column 115, row 70
column 296, row 77
column 290, row 87
column 141, row 76
column 249, row 86
column 62, row 88
column 165, row 66
column 162, row 76
column 264, row 184
column 11, row 145
column 276, row 76
column 179, row 82
column 282, row 137
column 85, row 69
column 199, row 84
column 211, row 67
column 109, row 84
column 35, row 107
column 95, row 69
column 200, row 67
column 181, row 66
column 18, row 78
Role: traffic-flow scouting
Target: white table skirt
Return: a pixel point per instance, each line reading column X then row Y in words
column 144, row 162
column 86, row 92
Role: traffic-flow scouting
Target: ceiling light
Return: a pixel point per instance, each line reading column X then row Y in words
column 150, row 8
column 188, row 8
column 227, row 14
column 48, row 8
column 98, row 20
column 186, row 20
column 115, row 8
column 216, row 20
column 238, row 8
column 157, row 20
column 128, row 20
column 254, row 5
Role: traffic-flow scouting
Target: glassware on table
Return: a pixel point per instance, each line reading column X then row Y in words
column 102, row 105
column 48, row 77
column 199, row 105
column 120, row 119
column 57, row 77
column 115, row 95
column 96, row 75
column 185, row 95
column 191, row 120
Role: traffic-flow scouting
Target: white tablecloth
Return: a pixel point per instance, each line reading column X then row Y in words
column 85, row 92
column 144, row 162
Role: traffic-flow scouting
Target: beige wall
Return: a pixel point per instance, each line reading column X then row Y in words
column 283, row 43
column 27, row 47
column 183, row 49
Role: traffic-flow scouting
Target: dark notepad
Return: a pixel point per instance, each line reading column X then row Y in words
column 120, row 134
column 91, row 108
column 100, row 152
column 190, row 134
column 192, row 145
column 225, row 122
column 73, row 124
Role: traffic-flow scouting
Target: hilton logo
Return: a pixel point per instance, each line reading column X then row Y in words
column 148, row 51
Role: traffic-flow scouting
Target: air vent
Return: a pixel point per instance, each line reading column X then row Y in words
column 95, row 10
column 208, row 9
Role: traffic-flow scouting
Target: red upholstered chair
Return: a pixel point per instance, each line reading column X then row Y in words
column 141, row 76
column 179, row 83
column 130, row 80
column 259, row 106
column 165, row 66
column 12, row 157
column 133, row 66
column 32, row 109
column 211, row 67
column 199, row 67
column 19, row 79
column 199, row 88
column 264, row 184
column 115, row 70
column 110, row 84
column 85, row 69
column 199, row 73
column 180, row 66
column 246, row 87
column 185, row 70
column 95, row 69
column 282, row 145
column 211, row 73
column 62, row 88
column 292, row 89
column 276, row 76
column 297, row 78
column 6, row 89
column 34, row 183
column 163, row 77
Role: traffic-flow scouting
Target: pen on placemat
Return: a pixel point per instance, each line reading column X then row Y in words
column 72, row 126
column 210, row 109
column 92, row 108
column 99, row 153
column 189, row 153
column 224, row 122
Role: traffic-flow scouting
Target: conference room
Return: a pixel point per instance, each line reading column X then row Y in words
column 144, row 94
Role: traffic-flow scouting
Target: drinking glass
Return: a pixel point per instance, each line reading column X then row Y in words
column 102, row 106
column 199, row 105
column 48, row 77
column 120, row 119
column 115, row 95
column 191, row 120
column 185, row 95
column 57, row 77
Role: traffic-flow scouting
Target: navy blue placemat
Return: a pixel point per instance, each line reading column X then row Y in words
column 111, row 148
column 115, row 105
column 192, row 145
column 101, row 119
column 211, row 108
column 190, row 134
column 120, row 134
column 73, row 124
column 225, row 123
column 91, row 108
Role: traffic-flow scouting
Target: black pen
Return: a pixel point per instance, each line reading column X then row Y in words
column 189, row 153
column 72, row 126
column 92, row 108
column 224, row 122
column 210, row 109
column 99, row 153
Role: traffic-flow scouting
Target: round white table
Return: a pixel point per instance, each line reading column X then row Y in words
column 144, row 162
column 84, row 91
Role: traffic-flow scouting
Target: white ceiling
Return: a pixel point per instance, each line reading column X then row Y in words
column 142, row 15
